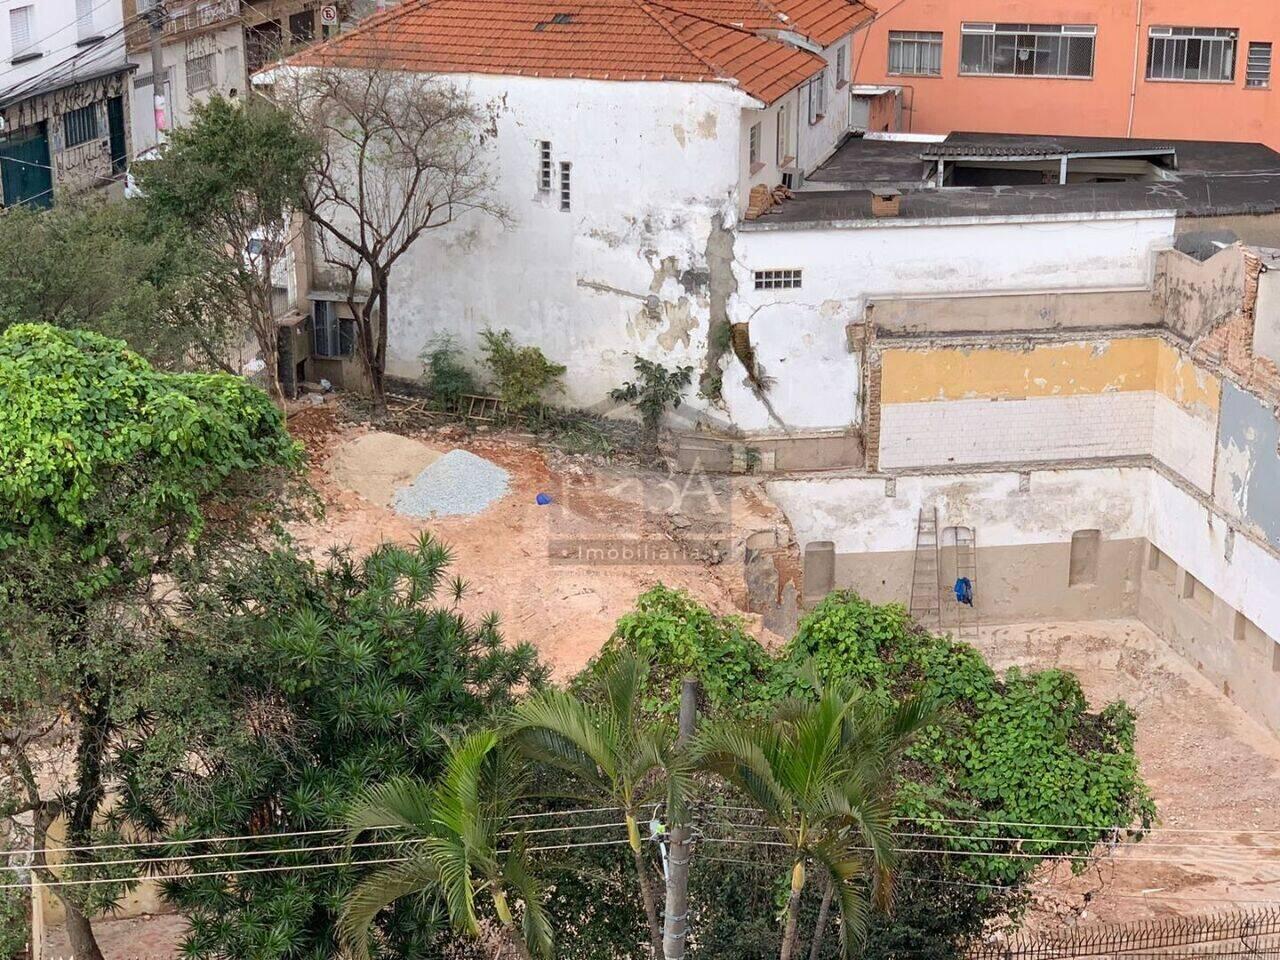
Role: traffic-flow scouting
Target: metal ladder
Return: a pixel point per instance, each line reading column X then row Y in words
column 925, row 605
column 966, row 617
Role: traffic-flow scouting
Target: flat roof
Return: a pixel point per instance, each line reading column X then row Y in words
column 1202, row 178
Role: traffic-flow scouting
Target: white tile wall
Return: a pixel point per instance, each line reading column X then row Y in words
column 1183, row 442
column 939, row 433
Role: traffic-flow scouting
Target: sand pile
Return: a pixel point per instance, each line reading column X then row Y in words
column 377, row 464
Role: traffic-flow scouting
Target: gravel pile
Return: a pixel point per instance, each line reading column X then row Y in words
column 458, row 484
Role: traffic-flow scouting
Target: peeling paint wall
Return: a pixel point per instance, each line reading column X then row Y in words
column 1247, row 484
column 1192, row 296
column 800, row 336
column 638, row 265
column 1126, row 397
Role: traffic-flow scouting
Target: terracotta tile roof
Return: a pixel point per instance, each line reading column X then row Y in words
column 589, row 39
column 822, row 21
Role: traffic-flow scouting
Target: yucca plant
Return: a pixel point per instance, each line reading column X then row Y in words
column 822, row 773
column 613, row 756
column 457, row 845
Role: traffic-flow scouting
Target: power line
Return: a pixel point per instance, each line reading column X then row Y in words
column 67, row 26
column 90, row 881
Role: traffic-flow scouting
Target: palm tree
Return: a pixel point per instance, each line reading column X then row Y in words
column 454, row 832
column 822, row 772
column 614, row 756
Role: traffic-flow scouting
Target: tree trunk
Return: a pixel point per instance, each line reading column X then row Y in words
column 95, row 722
column 381, row 284
column 84, row 946
column 650, row 905
column 789, row 933
column 820, row 928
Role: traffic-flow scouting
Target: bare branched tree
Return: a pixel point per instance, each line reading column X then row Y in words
column 396, row 154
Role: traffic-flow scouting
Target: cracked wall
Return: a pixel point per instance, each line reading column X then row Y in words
column 639, row 264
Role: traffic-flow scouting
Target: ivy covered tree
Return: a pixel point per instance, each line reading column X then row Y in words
column 365, row 663
column 124, row 490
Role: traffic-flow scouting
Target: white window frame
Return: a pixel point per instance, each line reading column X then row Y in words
column 22, row 41
column 1026, row 42
column 782, row 144
column 84, row 19
column 925, row 49
column 787, row 278
column 753, row 146
column 1257, row 65
column 566, row 186
column 202, row 72
column 817, row 94
column 842, row 64
column 1174, row 44
column 546, row 168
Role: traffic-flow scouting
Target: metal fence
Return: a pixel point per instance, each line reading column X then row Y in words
column 1245, row 933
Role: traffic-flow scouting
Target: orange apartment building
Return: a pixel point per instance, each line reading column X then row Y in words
column 1163, row 69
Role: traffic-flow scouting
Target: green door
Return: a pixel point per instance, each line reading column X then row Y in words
column 115, row 130
column 25, row 171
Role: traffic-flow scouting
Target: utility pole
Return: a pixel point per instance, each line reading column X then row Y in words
column 156, row 19
column 675, row 927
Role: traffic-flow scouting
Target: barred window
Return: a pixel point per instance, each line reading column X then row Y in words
column 331, row 335
column 200, row 73
column 544, row 166
column 1258, row 70
column 776, row 279
column 753, row 145
column 1197, row 54
column 1027, row 49
column 915, row 53
column 80, row 126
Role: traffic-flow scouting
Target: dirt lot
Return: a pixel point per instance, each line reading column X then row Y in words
column 528, row 562
column 1214, row 774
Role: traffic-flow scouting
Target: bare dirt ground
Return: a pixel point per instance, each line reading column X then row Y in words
column 1213, row 772
column 559, row 576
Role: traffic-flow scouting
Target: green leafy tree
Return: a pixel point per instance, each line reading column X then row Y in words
column 362, row 664
column 229, row 179
column 653, row 391
column 824, row 774
column 458, row 849
column 612, row 754
column 124, row 490
column 106, row 266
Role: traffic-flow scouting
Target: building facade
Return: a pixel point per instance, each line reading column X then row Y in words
column 64, row 99
column 1112, row 68
column 208, row 47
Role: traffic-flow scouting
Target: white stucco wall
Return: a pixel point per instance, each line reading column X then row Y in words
column 625, row 271
column 1123, row 503
column 55, row 35
column 819, row 140
column 226, row 45
column 799, row 335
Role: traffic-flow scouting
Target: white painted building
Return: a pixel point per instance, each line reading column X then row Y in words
column 63, row 97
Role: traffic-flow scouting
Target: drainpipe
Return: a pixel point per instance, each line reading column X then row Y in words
column 1137, row 51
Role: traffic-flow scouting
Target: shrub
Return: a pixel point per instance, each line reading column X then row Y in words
column 521, row 374
column 15, row 924
column 680, row 636
column 1021, row 749
column 654, row 389
column 444, row 376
